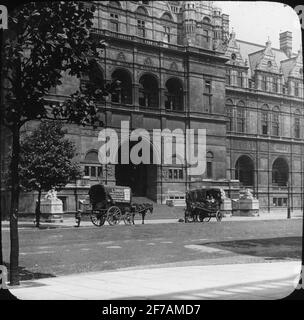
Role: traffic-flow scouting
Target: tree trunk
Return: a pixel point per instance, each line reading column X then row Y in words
column 37, row 211
column 1, row 256
column 14, row 241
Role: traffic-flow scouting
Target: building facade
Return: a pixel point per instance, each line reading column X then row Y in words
column 181, row 68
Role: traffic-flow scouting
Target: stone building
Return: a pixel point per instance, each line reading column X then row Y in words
column 181, row 68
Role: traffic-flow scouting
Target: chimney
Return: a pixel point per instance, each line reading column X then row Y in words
column 286, row 42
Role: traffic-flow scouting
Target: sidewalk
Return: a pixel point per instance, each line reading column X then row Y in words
column 70, row 220
column 253, row 281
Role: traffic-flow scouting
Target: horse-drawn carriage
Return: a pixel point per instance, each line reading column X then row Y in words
column 111, row 204
column 203, row 204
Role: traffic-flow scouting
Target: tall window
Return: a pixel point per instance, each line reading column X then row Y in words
column 148, row 91
column 264, row 83
column 275, row 85
column 264, row 122
column 174, row 95
column 114, row 26
column 240, row 117
column 229, row 112
column 209, row 167
column 166, row 34
column 207, row 96
column 141, row 30
column 206, row 35
column 275, row 122
column 297, row 128
column 296, row 89
column 239, row 79
column 228, row 77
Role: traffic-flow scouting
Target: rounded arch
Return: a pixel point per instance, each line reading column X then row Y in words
column 244, row 171
column 148, row 91
column 92, row 166
column 280, row 172
column 240, row 103
column 142, row 177
column 210, row 155
column 206, row 20
column 276, row 109
column 114, row 4
column 142, row 10
column 265, row 107
column 167, row 16
column 229, row 102
column 124, row 94
column 174, row 94
column 91, row 156
column 297, row 112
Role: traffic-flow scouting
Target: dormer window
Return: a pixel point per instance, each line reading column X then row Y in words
column 269, row 64
column 233, row 56
column 301, row 71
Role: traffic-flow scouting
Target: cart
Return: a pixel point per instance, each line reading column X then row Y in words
column 112, row 207
column 203, row 204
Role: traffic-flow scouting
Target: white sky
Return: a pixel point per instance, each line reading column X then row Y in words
column 256, row 21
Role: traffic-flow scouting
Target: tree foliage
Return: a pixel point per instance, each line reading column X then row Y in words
column 46, row 158
column 44, row 40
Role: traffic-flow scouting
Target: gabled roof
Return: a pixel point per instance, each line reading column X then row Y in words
column 255, row 52
column 264, row 60
column 232, row 49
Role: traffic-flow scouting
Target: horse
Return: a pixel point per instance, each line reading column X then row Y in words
column 140, row 208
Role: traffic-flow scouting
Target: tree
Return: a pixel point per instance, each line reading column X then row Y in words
column 44, row 40
column 45, row 160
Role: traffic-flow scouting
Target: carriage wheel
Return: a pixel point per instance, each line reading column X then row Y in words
column 219, row 216
column 113, row 215
column 98, row 218
column 127, row 218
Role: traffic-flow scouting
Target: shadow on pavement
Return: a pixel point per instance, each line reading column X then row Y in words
column 283, row 248
column 29, row 275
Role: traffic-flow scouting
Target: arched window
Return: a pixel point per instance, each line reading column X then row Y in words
column 206, row 20
column 115, row 4
column 276, row 121
column 265, row 119
column 124, row 95
column 209, row 165
column 141, row 24
column 229, row 113
column 167, row 16
column 92, row 167
column 174, row 95
column 93, row 79
column 280, row 172
column 244, row 171
column 240, row 117
column 148, row 91
column 297, row 124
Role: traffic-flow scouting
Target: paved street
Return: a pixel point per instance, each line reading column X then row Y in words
column 188, row 251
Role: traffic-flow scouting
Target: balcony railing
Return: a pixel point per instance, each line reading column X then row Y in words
column 108, row 33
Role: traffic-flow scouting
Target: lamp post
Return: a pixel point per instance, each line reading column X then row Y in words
column 288, row 200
